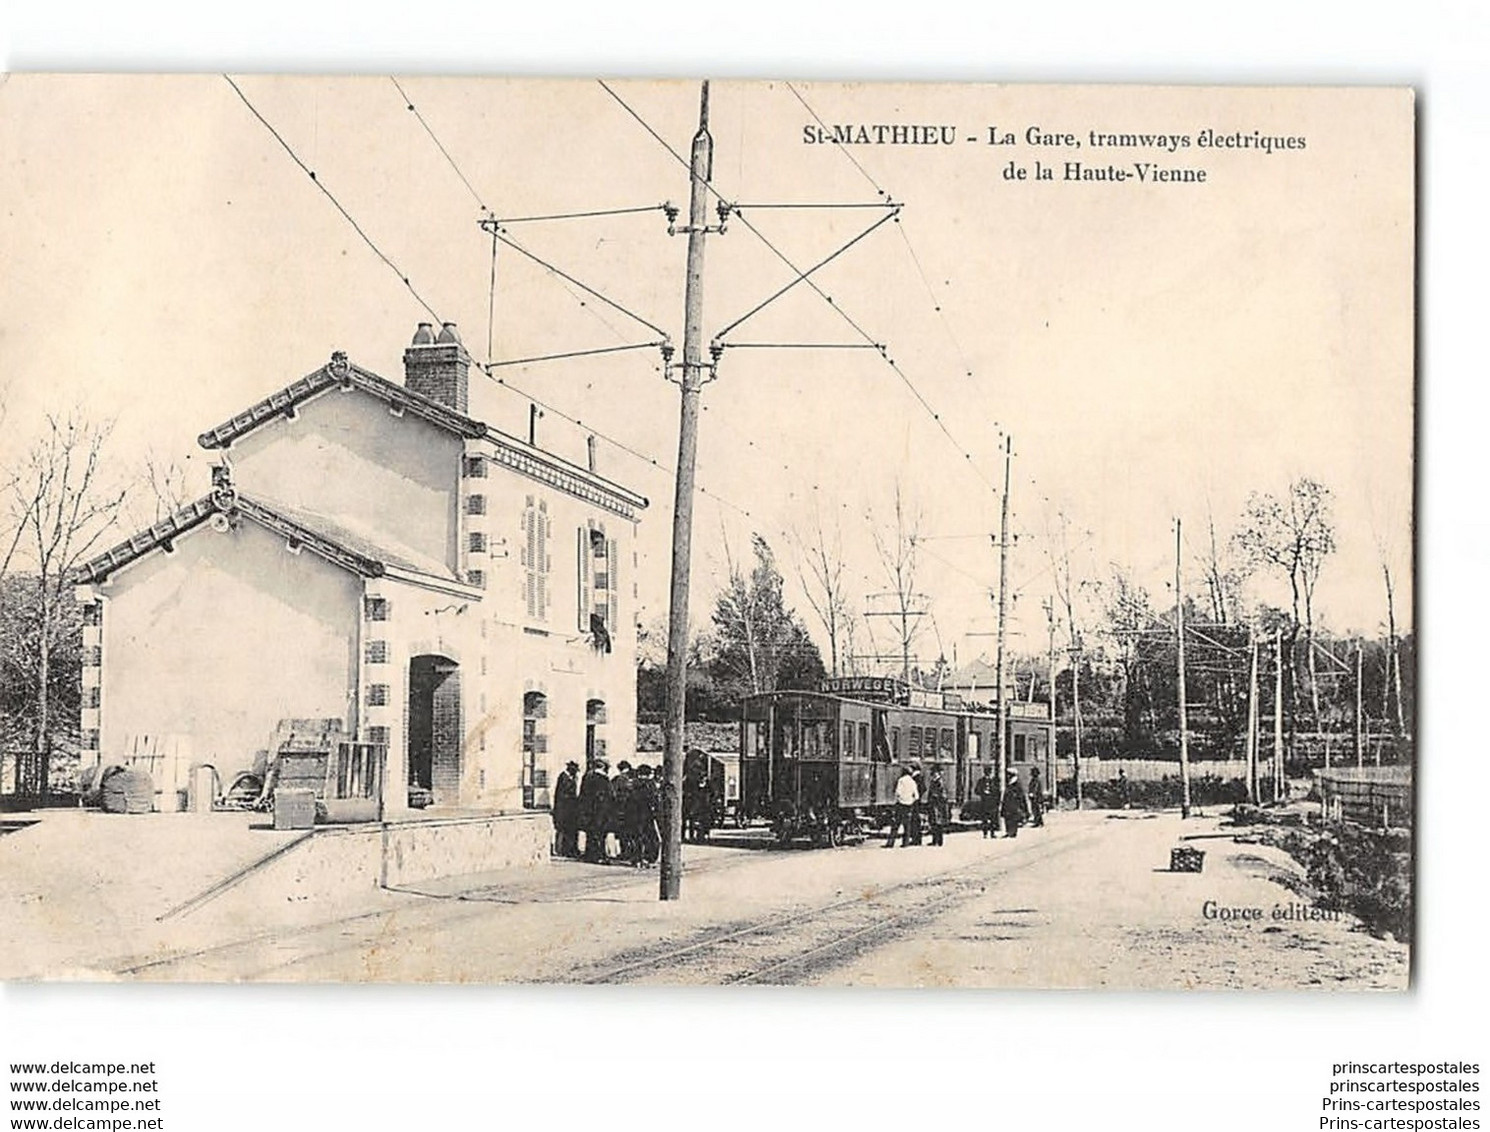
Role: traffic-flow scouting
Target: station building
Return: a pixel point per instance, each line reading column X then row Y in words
column 371, row 554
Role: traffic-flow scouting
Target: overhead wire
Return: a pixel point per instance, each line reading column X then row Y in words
column 295, row 157
column 409, row 102
column 490, row 365
column 909, row 247
column 801, row 276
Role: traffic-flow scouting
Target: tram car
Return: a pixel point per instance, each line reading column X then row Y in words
column 823, row 765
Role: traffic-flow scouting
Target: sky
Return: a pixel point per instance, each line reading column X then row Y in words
column 1152, row 351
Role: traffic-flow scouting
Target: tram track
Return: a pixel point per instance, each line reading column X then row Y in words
column 309, row 943
column 791, row 947
column 784, row 947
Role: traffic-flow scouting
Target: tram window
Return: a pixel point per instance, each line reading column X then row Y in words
column 848, row 740
column 1019, row 750
column 972, row 746
column 946, row 741
column 895, row 743
column 915, row 745
column 864, row 739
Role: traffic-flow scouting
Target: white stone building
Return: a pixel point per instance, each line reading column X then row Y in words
column 372, row 554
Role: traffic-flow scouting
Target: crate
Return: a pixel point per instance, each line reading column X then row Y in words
column 294, row 809
column 1186, row 860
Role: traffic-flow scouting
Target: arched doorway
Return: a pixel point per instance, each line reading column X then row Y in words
column 435, row 730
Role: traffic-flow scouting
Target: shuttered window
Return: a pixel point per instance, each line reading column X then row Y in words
column 536, row 559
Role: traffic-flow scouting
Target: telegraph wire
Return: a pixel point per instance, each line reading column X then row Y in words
column 409, row 102
column 490, row 365
column 936, row 305
column 877, row 186
column 678, row 157
column 487, row 367
column 484, row 367
column 496, row 230
column 564, row 279
column 583, row 215
column 295, row 157
column 802, row 277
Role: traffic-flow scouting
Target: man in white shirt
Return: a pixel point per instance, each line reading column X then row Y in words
column 907, row 794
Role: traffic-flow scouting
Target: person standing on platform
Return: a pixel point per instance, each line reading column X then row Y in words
column 644, row 806
column 938, row 809
column 918, row 811
column 906, row 797
column 1015, row 806
column 1037, row 799
column 987, row 791
column 594, row 809
column 566, row 811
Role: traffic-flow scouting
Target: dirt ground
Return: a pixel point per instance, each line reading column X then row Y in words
column 1086, row 902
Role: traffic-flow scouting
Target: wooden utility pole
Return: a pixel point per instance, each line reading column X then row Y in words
column 1394, row 662
column 1076, row 715
column 1050, row 763
column 1278, row 716
column 670, row 874
column 1252, row 719
column 1179, row 621
column 1001, row 707
column 1360, row 737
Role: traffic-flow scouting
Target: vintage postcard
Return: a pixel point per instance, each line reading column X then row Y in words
column 833, row 534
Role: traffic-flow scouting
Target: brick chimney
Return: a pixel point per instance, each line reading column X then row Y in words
column 438, row 366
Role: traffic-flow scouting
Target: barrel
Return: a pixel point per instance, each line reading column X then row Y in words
column 127, row 790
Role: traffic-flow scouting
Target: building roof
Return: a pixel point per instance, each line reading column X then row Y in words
column 339, row 373
column 321, row 536
column 977, row 673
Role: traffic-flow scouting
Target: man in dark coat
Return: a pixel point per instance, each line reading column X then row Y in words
column 938, row 809
column 643, row 811
column 1037, row 798
column 987, row 790
column 594, row 809
column 1015, row 806
column 620, row 793
column 566, row 811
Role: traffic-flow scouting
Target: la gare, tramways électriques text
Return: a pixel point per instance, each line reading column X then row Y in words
column 942, row 134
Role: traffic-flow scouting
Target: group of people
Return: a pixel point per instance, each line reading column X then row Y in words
column 1012, row 803
column 919, row 803
column 608, row 820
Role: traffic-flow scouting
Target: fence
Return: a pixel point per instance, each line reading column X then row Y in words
column 1155, row 770
column 21, row 775
column 1372, row 796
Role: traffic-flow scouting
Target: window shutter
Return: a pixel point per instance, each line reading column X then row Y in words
column 531, row 551
column 612, row 563
column 582, row 546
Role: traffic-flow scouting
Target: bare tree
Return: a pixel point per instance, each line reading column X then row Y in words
column 165, row 479
column 1293, row 535
column 63, row 511
column 1224, row 576
column 896, row 544
column 1129, row 614
column 822, row 582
